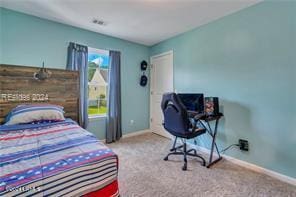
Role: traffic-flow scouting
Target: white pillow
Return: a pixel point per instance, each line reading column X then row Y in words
column 32, row 113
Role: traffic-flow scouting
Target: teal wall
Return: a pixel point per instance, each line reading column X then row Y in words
column 248, row 60
column 28, row 40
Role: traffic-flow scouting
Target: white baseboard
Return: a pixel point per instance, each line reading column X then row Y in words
column 250, row 166
column 135, row 133
column 262, row 170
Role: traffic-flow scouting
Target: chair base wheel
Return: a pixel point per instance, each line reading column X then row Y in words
column 178, row 151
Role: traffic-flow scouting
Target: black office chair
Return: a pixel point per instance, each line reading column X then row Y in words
column 176, row 122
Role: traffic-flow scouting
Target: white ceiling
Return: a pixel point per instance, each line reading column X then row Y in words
column 142, row 21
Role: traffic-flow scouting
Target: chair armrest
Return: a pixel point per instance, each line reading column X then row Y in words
column 196, row 119
column 199, row 116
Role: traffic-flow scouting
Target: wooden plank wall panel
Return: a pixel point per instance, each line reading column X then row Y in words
column 62, row 88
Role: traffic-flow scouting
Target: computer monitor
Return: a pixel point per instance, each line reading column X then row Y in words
column 193, row 102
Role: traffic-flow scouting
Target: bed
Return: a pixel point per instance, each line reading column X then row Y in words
column 55, row 159
column 50, row 157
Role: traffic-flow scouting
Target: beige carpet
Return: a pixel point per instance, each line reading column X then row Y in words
column 142, row 172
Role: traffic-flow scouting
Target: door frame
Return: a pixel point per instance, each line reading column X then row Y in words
column 171, row 53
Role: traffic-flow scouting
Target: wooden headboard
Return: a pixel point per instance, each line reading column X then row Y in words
column 18, row 86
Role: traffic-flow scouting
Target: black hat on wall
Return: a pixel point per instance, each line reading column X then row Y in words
column 144, row 65
column 143, row 80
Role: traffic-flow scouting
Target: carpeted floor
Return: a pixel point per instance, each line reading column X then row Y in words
column 144, row 173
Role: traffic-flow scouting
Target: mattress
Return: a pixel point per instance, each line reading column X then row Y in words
column 55, row 159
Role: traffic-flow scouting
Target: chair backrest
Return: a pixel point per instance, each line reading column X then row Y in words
column 176, row 119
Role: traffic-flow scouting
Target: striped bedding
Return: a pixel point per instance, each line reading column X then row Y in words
column 54, row 159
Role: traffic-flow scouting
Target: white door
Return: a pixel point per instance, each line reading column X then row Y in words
column 161, row 82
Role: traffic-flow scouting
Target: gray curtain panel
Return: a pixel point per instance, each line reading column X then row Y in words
column 77, row 60
column 114, row 131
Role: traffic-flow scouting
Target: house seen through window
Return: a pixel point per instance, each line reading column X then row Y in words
column 98, row 67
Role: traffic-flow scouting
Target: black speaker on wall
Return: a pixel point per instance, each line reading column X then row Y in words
column 212, row 106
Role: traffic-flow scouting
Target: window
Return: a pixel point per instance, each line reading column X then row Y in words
column 98, row 67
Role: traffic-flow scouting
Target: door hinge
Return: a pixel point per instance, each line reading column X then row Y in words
column 151, row 120
column 151, row 65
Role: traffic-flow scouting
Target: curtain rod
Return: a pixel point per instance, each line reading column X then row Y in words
column 116, row 50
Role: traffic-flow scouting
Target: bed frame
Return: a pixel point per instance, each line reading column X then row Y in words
column 18, row 86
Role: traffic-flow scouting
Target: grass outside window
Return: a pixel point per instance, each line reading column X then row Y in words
column 94, row 110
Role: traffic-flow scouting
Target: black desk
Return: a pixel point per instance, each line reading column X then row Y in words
column 205, row 120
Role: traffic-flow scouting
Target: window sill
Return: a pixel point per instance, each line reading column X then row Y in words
column 97, row 117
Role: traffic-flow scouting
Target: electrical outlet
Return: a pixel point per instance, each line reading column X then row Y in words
column 243, row 145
